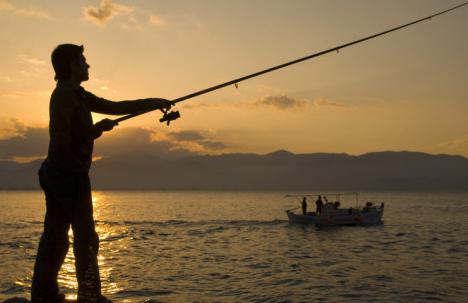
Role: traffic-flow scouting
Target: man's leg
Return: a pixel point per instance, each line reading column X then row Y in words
column 86, row 245
column 53, row 245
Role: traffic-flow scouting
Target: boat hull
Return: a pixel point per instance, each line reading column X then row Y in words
column 339, row 217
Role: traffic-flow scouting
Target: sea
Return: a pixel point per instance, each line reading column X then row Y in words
column 237, row 246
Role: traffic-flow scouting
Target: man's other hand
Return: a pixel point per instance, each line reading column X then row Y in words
column 161, row 104
column 106, row 125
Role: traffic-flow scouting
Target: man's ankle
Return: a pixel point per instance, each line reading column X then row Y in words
column 103, row 299
column 59, row 298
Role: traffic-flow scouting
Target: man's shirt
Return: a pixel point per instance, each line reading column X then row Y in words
column 71, row 129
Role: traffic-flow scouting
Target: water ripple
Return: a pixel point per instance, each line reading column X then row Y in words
column 168, row 251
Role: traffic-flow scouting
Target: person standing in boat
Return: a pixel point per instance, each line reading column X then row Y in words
column 64, row 177
column 304, row 206
column 319, row 205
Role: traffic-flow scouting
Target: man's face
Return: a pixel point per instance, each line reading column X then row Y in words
column 80, row 69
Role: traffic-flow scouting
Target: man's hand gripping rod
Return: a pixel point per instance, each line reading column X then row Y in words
column 172, row 115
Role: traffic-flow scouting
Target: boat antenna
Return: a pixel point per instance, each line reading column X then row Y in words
column 172, row 115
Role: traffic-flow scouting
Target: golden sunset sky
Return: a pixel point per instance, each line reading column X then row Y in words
column 405, row 91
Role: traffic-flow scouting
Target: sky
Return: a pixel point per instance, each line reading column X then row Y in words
column 403, row 91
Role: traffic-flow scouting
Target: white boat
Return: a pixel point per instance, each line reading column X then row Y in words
column 333, row 214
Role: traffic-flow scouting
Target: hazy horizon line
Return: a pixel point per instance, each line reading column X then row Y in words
column 29, row 160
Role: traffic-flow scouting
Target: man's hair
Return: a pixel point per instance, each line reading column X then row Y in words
column 62, row 56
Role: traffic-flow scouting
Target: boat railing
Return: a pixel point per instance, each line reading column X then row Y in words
column 336, row 195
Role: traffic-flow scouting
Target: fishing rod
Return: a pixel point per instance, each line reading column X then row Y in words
column 173, row 115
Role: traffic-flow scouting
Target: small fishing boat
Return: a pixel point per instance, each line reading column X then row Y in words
column 331, row 213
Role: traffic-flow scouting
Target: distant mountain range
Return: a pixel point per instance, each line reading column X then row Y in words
column 279, row 170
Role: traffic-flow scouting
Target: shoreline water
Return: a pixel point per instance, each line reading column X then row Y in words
column 237, row 246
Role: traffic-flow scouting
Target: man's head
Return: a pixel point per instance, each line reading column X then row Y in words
column 69, row 63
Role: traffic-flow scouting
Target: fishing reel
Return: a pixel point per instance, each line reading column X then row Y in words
column 169, row 116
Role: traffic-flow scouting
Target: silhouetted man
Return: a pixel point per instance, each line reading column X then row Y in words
column 304, row 206
column 319, row 205
column 64, row 177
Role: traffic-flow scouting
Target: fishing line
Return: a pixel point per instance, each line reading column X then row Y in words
column 169, row 116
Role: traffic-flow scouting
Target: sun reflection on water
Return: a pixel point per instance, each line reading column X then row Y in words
column 67, row 275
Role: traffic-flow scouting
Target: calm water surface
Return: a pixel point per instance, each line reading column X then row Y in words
column 214, row 246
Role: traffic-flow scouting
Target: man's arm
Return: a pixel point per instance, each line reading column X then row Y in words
column 103, row 106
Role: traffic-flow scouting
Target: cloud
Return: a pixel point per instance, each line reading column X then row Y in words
column 159, row 143
column 6, row 5
column 106, row 11
column 29, row 60
column 186, row 135
column 33, row 13
column 196, row 141
column 31, row 66
column 156, row 20
column 102, row 85
column 137, row 142
column 202, row 105
column 281, row 102
column 20, row 141
column 21, row 94
column 132, row 24
column 213, row 145
column 12, row 128
column 6, row 79
column 456, row 143
column 323, row 102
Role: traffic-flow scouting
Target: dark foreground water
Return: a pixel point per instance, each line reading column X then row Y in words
column 192, row 246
